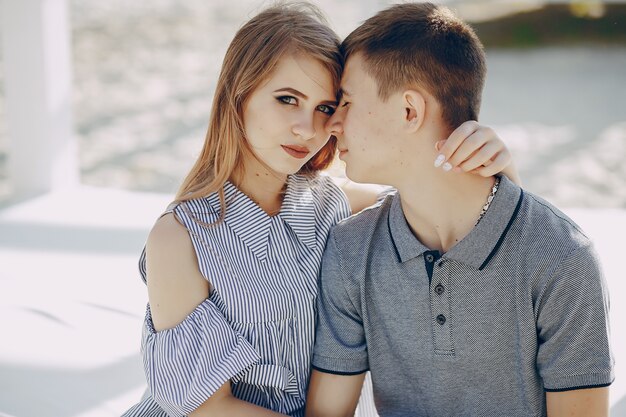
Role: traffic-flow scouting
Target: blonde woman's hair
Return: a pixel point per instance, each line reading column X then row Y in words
column 287, row 28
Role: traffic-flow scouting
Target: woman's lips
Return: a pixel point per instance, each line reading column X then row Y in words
column 296, row 151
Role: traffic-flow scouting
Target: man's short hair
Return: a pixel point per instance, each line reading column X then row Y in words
column 423, row 45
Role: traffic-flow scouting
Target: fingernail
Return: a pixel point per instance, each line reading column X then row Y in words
column 439, row 160
column 447, row 166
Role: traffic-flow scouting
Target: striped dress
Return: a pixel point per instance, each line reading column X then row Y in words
column 256, row 329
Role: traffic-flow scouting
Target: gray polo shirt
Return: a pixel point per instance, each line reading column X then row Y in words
column 516, row 308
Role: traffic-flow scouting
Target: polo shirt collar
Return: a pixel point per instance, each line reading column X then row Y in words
column 480, row 245
column 407, row 245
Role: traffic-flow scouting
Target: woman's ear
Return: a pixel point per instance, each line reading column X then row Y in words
column 415, row 109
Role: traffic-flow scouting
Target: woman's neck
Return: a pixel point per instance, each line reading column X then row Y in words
column 264, row 187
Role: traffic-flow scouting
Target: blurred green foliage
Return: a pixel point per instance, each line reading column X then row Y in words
column 562, row 24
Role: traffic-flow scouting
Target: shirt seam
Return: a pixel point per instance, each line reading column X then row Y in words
column 342, row 274
column 335, row 358
column 565, row 219
column 551, row 279
column 608, row 370
column 579, row 387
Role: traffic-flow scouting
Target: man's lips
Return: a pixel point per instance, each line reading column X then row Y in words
column 342, row 152
column 296, row 151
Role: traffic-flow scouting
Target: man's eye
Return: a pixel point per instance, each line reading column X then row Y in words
column 344, row 104
column 326, row 109
column 287, row 100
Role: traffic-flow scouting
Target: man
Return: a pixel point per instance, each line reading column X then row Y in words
column 462, row 295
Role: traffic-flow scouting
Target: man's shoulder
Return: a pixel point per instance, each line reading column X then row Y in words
column 551, row 242
column 544, row 222
column 353, row 238
column 364, row 223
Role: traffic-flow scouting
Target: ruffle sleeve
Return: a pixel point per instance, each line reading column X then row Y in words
column 186, row 364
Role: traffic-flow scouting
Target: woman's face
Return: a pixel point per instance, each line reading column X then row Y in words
column 284, row 117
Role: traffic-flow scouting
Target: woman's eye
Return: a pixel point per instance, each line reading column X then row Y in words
column 329, row 110
column 287, row 100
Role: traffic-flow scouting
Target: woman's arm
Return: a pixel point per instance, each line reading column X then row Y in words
column 175, row 289
column 175, row 285
column 470, row 148
column 359, row 196
column 224, row 403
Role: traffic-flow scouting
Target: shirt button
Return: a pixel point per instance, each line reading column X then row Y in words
column 441, row 319
column 430, row 257
column 439, row 289
column 440, row 264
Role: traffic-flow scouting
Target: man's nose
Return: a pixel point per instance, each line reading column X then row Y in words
column 334, row 125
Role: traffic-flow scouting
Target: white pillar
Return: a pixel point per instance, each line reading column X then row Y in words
column 37, row 78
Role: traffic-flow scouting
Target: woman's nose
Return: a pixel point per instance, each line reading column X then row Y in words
column 305, row 128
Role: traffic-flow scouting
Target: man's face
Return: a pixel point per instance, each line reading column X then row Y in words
column 365, row 126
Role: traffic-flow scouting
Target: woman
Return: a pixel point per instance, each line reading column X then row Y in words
column 231, row 267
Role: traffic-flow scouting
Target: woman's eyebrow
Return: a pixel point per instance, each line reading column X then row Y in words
column 303, row 96
column 293, row 91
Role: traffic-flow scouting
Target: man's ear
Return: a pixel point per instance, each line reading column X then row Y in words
column 414, row 108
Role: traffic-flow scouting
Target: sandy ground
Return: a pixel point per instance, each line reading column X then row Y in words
column 71, row 301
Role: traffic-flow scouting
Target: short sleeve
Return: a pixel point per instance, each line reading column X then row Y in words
column 186, row 364
column 340, row 345
column 573, row 326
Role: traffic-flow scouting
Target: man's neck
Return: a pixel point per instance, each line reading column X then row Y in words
column 443, row 208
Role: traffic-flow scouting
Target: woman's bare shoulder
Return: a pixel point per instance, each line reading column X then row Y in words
column 168, row 234
column 175, row 284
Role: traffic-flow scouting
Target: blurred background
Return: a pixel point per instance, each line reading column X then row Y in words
column 127, row 88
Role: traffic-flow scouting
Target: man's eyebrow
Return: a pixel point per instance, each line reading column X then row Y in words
column 344, row 92
column 293, row 91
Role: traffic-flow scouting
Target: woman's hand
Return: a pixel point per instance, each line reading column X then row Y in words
column 476, row 149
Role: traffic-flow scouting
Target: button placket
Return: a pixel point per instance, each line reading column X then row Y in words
column 440, row 308
column 430, row 258
column 439, row 289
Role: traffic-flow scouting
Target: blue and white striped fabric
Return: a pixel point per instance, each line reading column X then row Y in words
column 257, row 327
